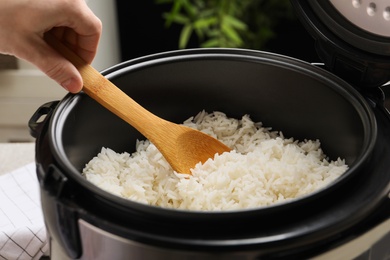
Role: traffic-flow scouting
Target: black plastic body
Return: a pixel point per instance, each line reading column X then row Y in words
column 292, row 96
column 360, row 57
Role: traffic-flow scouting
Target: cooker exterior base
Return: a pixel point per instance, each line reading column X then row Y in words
column 98, row 244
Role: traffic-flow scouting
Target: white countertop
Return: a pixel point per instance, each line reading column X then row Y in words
column 15, row 155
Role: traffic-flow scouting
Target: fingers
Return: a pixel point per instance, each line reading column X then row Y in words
column 85, row 33
column 81, row 33
column 84, row 46
column 51, row 63
column 70, row 20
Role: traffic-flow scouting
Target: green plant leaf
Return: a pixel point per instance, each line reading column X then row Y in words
column 175, row 10
column 189, row 8
column 234, row 22
column 209, row 12
column 227, row 23
column 205, row 22
column 231, row 33
column 185, row 35
column 200, row 34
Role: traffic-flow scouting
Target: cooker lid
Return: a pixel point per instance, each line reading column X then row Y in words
column 352, row 37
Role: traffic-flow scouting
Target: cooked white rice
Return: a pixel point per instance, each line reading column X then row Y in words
column 263, row 168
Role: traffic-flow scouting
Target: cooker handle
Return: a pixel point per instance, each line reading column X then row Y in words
column 40, row 116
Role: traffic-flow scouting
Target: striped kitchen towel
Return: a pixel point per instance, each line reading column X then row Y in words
column 22, row 229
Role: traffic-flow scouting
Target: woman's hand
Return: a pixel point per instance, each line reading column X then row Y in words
column 23, row 24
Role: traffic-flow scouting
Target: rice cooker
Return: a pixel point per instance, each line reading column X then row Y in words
column 340, row 103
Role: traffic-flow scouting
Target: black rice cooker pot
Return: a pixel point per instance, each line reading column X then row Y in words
column 301, row 100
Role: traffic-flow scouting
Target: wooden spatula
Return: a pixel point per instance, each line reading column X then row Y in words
column 182, row 147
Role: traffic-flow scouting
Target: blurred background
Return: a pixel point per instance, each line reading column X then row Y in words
column 160, row 25
column 133, row 29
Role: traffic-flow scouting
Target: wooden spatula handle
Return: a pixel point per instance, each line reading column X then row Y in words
column 105, row 92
